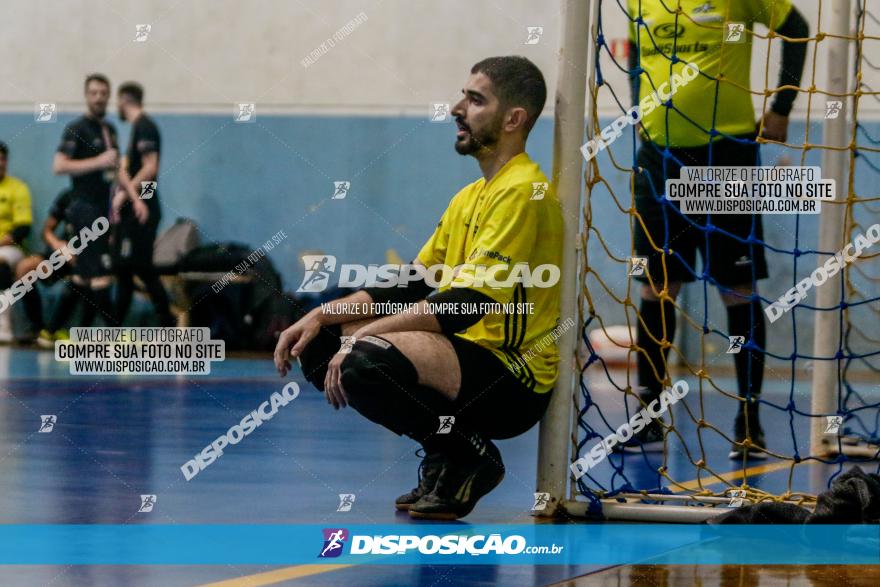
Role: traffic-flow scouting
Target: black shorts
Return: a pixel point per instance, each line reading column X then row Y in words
column 729, row 259
column 491, row 400
column 132, row 241
column 58, row 274
column 94, row 259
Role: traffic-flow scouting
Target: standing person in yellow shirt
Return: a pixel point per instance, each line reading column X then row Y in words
column 450, row 379
column 708, row 121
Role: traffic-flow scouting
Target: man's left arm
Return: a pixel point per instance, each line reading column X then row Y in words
column 506, row 237
column 149, row 171
column 421, row 314
column 148, row 146
column 416, row 317
column 794, row 54
column 438, row 313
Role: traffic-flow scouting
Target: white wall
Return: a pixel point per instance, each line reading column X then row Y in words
column 204, row 55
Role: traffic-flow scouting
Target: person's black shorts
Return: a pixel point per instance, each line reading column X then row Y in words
column 132, row 241
column 491, row 400
column 94, row 259
column 727, row 260
column 58, row 274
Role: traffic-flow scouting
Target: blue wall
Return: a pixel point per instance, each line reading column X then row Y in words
column 245, row 182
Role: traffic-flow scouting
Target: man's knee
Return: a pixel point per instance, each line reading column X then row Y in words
column 434, row 358
column 381, row 384
column 101, row 282
column 27, row 265
column 375, row 364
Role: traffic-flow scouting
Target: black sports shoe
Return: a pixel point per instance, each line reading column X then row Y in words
column 757, row 447
column 649, row 439
column 460, row 486
column 429, row 472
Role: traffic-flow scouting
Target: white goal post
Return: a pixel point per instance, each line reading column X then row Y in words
column 574, row 112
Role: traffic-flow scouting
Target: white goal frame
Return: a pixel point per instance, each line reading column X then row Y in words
column 557, row 440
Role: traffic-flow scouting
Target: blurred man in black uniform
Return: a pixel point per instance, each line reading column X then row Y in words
column 89, row 154
column 75, row 293
column 136, row 208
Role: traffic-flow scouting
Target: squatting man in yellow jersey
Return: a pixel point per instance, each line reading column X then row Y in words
column 452, row 381
column 709, row 121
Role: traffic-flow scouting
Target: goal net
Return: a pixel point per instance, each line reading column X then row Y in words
column 819, row 402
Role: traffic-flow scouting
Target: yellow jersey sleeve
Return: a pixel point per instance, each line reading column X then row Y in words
column 433, row 252
column 770, row 13
column 21, row 205
column 506, row 237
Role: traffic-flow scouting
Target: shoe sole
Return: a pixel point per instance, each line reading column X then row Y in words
column 751, row 456
column 452, row 515
column 402, row 507
column 654, row 446
column 435, row 516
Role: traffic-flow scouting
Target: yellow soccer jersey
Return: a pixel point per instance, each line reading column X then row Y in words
column 515, row 221
column 713, row 35
column 15, row 204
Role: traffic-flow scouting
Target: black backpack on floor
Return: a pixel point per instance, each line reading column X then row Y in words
column 247, row 315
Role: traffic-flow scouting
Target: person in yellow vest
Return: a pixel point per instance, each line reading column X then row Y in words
column 476, row 359
column 706, row 122
column 15, row 226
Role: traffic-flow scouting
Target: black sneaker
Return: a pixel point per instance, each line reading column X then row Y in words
column 756, row 449
column 460, row 486
column 649, row 439
column 429, row 472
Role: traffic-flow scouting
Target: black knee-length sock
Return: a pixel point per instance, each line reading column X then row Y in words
column 652, row 312
column 747, row 320
column 72, row 295
column 33, row 307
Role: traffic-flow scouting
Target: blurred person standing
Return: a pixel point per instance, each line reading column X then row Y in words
column 135, row 209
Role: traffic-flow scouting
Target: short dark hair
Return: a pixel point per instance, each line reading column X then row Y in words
column 4, row 150
column 96, row 77
column 133, row 90
column 517, row 82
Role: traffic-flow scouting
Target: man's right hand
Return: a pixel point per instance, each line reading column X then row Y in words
column 116, row 203
column 109, row 159
column 141, row 212
column 62, row 246
column 294, row 339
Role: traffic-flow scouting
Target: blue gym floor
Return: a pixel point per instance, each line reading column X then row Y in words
column 119, row 437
